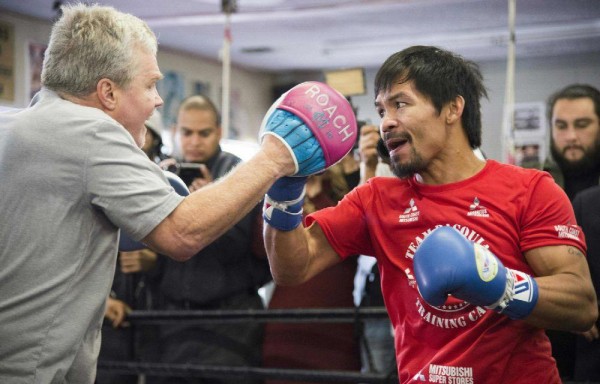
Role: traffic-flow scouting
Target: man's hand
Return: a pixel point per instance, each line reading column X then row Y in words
column 367, row 145
column 116, row 312
column 203, row 181
column 137, row 261
column 367, row 148
column 592, row 334
column 168, row 164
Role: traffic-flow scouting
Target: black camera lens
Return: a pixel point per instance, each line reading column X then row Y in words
column 173, row 168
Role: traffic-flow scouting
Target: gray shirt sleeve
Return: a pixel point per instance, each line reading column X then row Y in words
column 128, row 187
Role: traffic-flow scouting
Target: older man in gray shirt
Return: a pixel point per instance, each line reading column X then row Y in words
column 73, row 174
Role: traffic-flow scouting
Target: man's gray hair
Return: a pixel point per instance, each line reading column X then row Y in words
column 89, row 43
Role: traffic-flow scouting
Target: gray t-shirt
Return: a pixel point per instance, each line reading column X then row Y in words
column 70, row 177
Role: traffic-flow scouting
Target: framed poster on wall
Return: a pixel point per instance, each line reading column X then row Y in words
column 7, row 61
column 36, row 60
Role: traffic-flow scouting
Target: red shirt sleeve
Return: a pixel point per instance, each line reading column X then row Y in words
column 344, row 225
column 549, row 218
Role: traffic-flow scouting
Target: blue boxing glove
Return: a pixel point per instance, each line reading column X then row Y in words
column 446, row 263
column 283, row 203
column 315, row 123
column 177, row 184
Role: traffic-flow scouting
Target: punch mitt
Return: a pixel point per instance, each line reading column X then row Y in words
column 315, row 122
column 177, row 184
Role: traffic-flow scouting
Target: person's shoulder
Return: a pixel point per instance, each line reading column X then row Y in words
column 509, row 177
column 226, row 160
column 515, row 170
column 384, row 184
column 592, row 193
column 229, row 156
column 71, row 112
column 222, row 162
column 69, row 118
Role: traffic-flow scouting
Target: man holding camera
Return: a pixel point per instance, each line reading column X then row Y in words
column 220, row 276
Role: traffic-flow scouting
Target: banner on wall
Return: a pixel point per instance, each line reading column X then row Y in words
column 171, row 88
column 7, row 61
column 528, row 135
column 201, row 88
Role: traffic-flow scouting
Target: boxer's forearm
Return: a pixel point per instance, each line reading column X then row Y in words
column 567, row 299
column 566, row 304
column 288, row 255
column 297, row 256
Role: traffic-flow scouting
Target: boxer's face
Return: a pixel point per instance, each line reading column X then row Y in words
column 138, row 100
column 575, row 129
column 413, row 131
column 199, row 134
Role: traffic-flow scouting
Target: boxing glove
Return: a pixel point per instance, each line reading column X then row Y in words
column 446, row 263
column 283, row 203
column 177, row 183
column 315, row 122
column 126, row 243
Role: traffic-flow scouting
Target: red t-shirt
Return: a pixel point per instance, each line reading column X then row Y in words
column 503, row 207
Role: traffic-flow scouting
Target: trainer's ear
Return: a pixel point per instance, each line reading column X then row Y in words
column 106, row 93
column 455, row 110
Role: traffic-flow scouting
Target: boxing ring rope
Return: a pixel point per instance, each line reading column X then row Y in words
column 204, row 371
column 334, row 315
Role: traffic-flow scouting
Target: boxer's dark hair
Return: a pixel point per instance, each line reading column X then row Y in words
column 441, row 76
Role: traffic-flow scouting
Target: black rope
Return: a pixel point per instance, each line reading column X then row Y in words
column 188, row 370
column 333, row 315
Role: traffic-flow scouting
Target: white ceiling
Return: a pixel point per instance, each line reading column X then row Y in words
column 285, row 35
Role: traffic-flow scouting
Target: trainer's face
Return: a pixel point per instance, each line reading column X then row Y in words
column 575, row 128
column 199, row 134
column 138, row 100
column 413, row 131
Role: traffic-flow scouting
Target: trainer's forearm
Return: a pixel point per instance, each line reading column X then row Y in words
column 214, row 209
column 206, row 214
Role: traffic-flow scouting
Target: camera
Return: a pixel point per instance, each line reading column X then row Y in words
column 186, row 171
column 359, row 125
